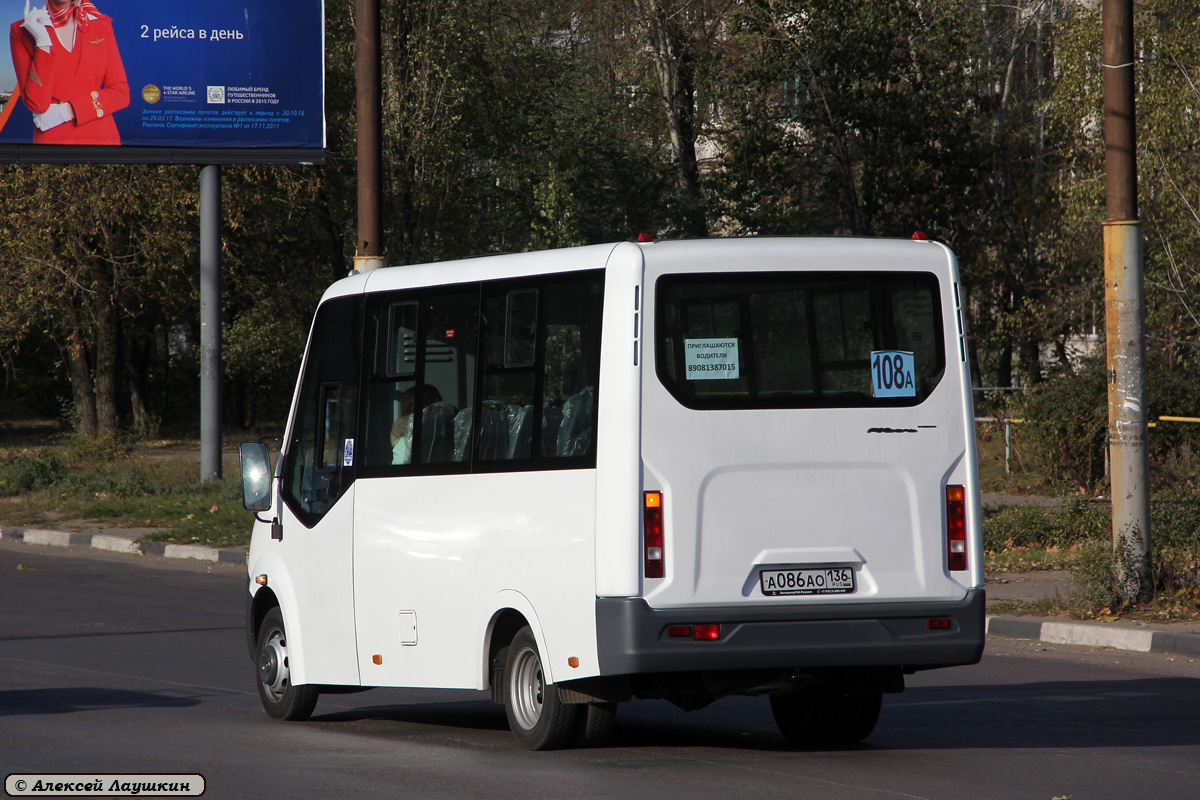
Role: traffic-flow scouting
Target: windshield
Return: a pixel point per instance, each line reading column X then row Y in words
column 799, row 339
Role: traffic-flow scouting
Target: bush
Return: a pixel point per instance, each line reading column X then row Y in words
column 1175, row 519
column 1076, row 522
column 1085, row 527
column 1174, row 572
column 28, row 471
column 1066, row 424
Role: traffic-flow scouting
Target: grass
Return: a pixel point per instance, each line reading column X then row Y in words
column 122, row 485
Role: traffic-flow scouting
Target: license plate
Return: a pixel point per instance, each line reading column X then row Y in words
column 821, row 580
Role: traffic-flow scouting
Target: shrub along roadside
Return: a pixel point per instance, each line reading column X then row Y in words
column 1078, row 537
column 121, row 487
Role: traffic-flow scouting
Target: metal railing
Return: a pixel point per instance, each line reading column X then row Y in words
column 1008, row 423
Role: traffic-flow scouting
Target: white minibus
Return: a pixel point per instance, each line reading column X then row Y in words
column 678, row 469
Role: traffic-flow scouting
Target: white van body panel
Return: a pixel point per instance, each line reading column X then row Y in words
column 618, row 450
column 310, row 571
column 861, row 487
column 507, row 537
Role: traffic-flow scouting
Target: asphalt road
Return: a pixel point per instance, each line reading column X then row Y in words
column 123, row 664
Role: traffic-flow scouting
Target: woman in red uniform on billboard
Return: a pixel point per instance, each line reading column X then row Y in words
column 69, row 72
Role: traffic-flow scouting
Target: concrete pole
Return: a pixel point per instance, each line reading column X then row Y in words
column 1125, row 317
column 369, row 251
column 210, row 323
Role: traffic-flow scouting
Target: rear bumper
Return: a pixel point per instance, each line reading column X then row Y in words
column 633, row 638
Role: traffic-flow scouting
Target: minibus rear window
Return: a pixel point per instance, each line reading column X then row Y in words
column 799, row 339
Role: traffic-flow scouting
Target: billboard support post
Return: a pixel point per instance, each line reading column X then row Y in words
column 210, row 323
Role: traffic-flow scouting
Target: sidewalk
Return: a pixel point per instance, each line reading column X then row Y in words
column 1182, row 638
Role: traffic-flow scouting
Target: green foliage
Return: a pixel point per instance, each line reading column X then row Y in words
column 1064, row 423
column 29, row 471
column 1175, row 519
column 1018, row 527
column 1175, row 575
column 111, row 485
column 1077, row 536
column 871, row 135
column 1064, row 428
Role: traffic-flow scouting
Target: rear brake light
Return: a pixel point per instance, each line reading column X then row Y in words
column 956, row 528
column 652, row 534
column 708, row 633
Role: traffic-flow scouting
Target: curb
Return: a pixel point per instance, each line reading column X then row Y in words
column 1091, row 635
column 121, row 544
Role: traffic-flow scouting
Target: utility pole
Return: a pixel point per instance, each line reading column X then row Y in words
column 368, row 253
column 1125, row 317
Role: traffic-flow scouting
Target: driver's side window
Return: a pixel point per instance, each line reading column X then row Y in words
column 319, row 462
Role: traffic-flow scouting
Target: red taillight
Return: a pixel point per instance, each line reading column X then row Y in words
column 938, row 623
column 956, row 527
column 652, row 534
column 708, row 633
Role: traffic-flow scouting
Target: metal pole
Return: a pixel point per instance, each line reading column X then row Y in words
column 1124, row 301
column 210, row 323
column 1007, row 446
column 369, row 251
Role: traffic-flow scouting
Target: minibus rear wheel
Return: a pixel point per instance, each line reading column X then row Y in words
column 826, row 715
column 594, row 723
column 536, row 715
column 280, row 697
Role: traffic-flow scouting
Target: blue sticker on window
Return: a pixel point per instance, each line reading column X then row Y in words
column 893, row 374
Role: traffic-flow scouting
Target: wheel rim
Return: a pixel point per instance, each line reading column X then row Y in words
column 528, row 688
column 273, row 665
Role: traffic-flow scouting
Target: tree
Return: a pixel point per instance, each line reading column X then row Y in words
column 683, row 39
column 93, row 255
column 1167, row 34
column 857, row 119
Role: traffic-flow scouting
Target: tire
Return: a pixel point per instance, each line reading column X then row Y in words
column 536, row 715
column 280, row 697
column 826, row 716
column 594, row 724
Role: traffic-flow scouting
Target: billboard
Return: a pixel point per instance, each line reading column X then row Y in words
column 153, row 82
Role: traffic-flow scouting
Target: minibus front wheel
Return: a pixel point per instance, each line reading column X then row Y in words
column 280, row 697
column 538, row 717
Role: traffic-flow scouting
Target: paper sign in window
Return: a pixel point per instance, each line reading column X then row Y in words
column 893, row 374
column 711, row 359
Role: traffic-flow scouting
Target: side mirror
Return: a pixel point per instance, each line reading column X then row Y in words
column 256, row 476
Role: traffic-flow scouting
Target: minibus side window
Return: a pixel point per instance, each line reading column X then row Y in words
column 541, row 373
column 319, row 462
column 419, row 349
